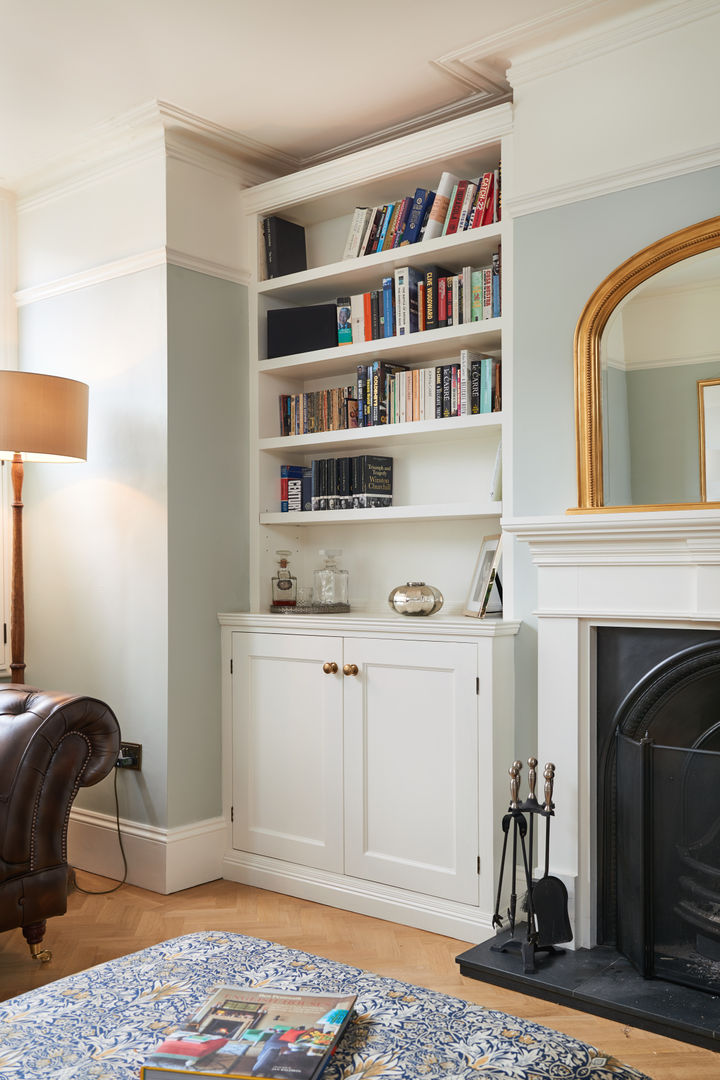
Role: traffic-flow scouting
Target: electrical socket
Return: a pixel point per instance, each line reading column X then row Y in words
column 131, row 751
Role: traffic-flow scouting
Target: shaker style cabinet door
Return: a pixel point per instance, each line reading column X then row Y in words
column 411, row 766
column 287, row 748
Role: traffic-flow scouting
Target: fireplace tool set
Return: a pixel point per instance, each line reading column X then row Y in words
column 546, row 900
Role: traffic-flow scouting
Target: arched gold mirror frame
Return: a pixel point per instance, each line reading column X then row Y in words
column 671, row 249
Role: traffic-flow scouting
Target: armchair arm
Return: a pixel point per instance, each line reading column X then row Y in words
column 51, row 744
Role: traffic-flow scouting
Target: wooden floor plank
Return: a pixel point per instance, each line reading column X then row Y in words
column 98, row 928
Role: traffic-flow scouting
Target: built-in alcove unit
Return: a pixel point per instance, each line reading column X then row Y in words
column 362, row 749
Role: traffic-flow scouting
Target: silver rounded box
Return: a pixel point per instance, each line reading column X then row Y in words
column 415, row 598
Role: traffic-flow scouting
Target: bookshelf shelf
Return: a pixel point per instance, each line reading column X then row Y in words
column 432, row 512
column 357, row 275
column 412, row 349
column 454, row 428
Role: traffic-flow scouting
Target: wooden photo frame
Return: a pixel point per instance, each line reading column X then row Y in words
column 485, row 580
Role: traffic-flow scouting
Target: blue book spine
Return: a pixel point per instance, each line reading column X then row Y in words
column 416, row 216
column 389, row 306
column 384, row 227
column 496, row 285
column 486, row 371
column 361, row 379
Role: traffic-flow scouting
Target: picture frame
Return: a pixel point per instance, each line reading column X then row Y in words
column 709, row 438
column 485, row 596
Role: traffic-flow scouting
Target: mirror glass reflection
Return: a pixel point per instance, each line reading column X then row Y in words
column 659, row 343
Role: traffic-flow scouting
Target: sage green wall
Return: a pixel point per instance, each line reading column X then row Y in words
column 560, row 256
column 207, row 523
column 664, row 444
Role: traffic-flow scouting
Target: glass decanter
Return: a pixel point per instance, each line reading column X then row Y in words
column 330, row 583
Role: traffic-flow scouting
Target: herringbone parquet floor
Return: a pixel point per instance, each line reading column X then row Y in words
column 101, row 927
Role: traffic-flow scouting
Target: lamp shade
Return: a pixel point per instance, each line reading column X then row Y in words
column 42, row 417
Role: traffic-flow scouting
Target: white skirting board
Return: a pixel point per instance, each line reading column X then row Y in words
column 431, row 913
column 162, row 860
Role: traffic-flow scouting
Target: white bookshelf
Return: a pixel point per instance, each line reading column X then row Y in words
column 442, row 468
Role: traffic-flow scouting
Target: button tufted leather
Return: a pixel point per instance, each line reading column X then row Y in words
column 51, row 744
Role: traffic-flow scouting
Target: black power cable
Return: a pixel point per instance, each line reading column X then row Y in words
column 114, row 888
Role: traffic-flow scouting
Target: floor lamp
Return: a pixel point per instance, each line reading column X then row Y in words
column 42, row 418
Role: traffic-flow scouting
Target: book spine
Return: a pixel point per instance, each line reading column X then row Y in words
column 370, row 240
column 442, row 305
column 496, row 307
column 384, row 226
column 448, row 212
column 367, row 315
column 487, row 292
column 486, row 372
column 438, row 392
column 344, row 320
column 415, row 217
column 497, row 386
column 468, row 203
column 358, row 226
column 357, row 317
column 436, row 218
column 391, row 227
column 484, row 188
column 389, row 306
column 475, row 366
column 401, row 222
column 456, row 208
column 402, row 300
column 489, row 211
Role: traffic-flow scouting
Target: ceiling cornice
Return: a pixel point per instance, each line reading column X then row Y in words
column 597, row 41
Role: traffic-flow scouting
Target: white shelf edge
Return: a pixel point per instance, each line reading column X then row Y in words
column 429, row 512
column 411, row 254
column 450, row 427
column 422, row 343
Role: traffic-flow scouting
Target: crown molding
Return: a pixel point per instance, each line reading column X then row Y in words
column 590, row 43
column 152, row 128
column 374, row 162
column 608, row 183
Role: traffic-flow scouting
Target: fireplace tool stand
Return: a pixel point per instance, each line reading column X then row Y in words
column 546, row 900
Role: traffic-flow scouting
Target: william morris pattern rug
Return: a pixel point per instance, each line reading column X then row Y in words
column 103, row 1022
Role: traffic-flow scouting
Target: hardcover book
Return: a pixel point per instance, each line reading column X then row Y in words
column 419, row 211
column 373, row 481
column 240, row 1032
column 436, row 218
column 284, row 247
column 344, row 320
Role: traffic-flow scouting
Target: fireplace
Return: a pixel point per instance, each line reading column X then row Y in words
column 637, row 826
column 658, row 754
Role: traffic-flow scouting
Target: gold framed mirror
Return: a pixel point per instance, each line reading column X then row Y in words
column 610, row 445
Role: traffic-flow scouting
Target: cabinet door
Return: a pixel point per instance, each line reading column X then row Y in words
column 287, row 748
column 411, row 768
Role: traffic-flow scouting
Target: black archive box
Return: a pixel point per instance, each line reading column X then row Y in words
column 301, row 329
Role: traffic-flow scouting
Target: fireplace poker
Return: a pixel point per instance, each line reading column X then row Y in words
column 514, row 810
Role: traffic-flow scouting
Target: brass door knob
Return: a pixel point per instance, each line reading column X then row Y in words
column 350, row 669
column 330, row 668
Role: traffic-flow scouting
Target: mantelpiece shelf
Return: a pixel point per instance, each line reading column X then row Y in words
column 431, row 512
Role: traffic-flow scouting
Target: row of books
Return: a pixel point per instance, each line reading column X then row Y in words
column 414, row 299
column 389, row 394
column 344, row 483
column 386, row 393
column 456, row 205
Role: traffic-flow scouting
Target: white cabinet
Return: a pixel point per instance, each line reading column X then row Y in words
column 358, row 762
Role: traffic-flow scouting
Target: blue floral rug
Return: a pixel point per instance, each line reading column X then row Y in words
column 102, row 1023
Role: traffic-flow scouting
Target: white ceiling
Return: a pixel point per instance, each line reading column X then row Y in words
column 301, row 76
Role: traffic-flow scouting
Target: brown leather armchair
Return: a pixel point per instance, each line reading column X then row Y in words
column 51, row 744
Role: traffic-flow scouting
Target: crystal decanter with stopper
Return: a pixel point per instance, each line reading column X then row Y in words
column 330, row 583
column 284, row 584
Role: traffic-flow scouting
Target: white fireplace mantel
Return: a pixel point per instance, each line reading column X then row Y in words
column 659, row 568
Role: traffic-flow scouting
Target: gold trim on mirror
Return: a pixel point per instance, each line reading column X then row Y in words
column 671, row 249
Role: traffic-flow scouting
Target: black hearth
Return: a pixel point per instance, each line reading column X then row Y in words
column 657, row 961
